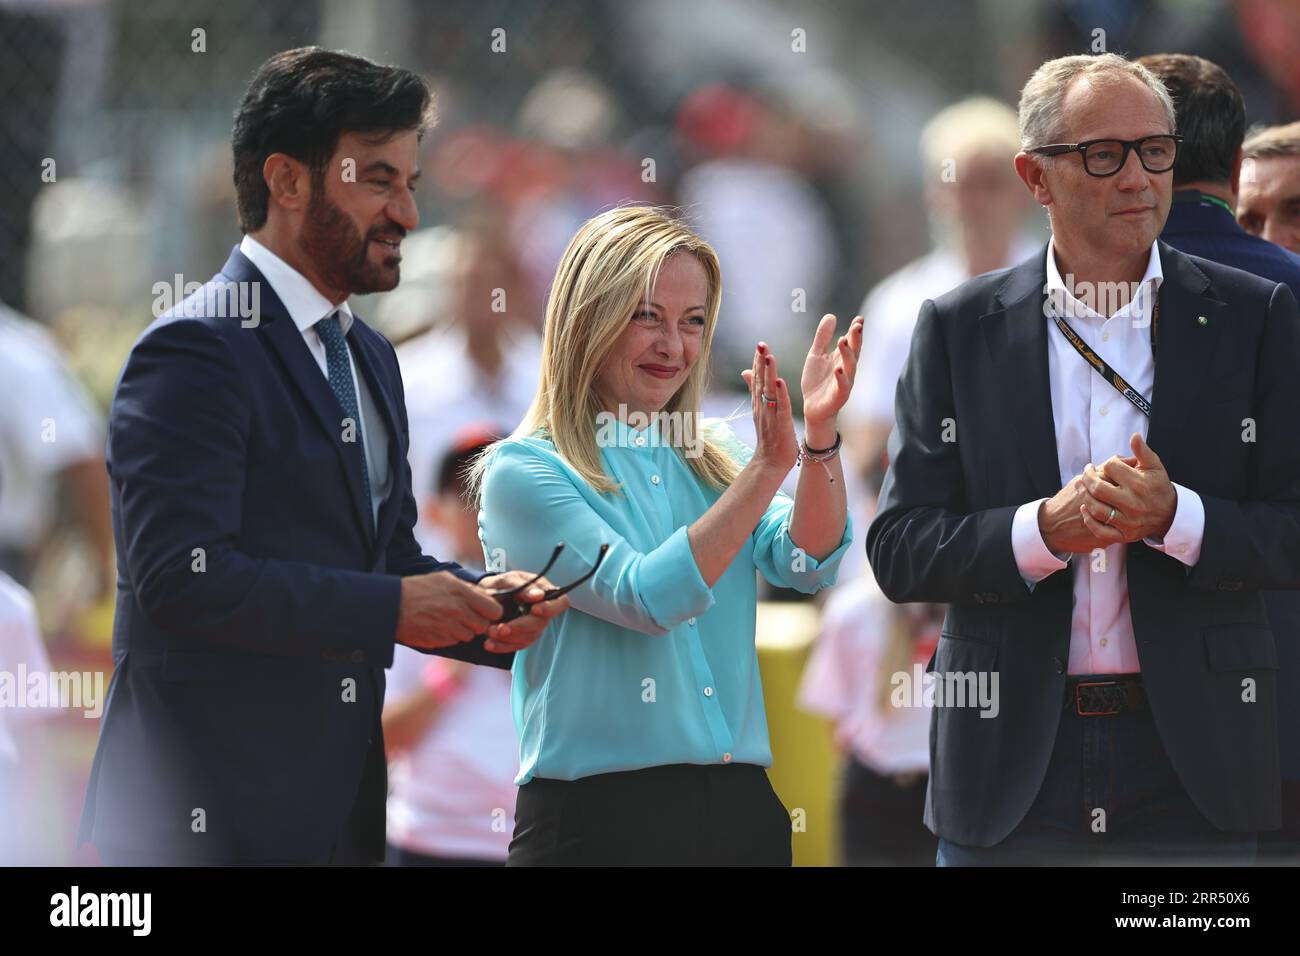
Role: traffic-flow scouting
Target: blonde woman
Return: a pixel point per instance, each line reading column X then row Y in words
column 640, row 713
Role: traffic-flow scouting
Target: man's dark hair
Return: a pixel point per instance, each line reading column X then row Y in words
column 1211, row 115
column 301, row 101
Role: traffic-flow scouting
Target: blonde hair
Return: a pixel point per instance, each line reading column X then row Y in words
column 974, row 125
column 609, row 265
column 1041, row 99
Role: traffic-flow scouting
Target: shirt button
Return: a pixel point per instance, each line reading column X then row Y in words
column 1103, row 410
column 691, row 620
column 1104, row 642
column 1181, row 549
column 708, row 692
column 1105, row 336
column 726, row 758
column 654, row 479
column 640, row 441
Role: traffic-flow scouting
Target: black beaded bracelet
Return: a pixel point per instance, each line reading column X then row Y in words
column 821, row 455
column 808, row 449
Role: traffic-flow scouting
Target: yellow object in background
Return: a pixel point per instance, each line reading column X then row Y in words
column 803, row 757
column 95, row 625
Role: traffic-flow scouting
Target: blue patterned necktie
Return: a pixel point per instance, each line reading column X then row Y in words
column 340, row 376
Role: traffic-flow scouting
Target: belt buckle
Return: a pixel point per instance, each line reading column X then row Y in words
column 1078, row 704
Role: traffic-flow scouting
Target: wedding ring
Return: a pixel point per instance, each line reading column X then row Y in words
column 1109, row 517
column 769, row 401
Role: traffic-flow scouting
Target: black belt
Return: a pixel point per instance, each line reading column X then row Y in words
column 1104, row 695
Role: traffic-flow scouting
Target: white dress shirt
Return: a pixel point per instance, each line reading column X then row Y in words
column 306, row 306
column 1093, row 422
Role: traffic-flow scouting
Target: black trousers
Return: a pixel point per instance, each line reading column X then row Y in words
column 676, row 815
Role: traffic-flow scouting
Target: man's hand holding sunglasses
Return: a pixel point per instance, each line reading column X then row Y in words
column 511, row 608
column 440, row 609
column 531, row 601
column 529, row 591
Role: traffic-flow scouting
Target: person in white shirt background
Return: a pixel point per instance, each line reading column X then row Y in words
column 51, row 433
column 479, row 363
column 448, row 728
column 773, row 232
column 979, row 221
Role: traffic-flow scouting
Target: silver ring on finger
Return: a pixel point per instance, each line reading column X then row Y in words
column 769, row 401
column 1110, row 517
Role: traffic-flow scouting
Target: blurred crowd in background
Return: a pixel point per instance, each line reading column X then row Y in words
column 807, row 141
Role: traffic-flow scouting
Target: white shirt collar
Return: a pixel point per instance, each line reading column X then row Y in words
column 304, row 303
column 1055, row 283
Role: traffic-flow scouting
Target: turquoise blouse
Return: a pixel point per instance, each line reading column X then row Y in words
column 649, row 666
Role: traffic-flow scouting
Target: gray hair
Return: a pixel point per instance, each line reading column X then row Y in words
column 1266, row 142
column 1040, row 100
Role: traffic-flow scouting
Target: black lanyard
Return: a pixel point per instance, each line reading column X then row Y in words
column 1100, row 364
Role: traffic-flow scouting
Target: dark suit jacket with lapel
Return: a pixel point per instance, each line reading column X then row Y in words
column 1210, row 231
column 257, row 603
column 942, row 532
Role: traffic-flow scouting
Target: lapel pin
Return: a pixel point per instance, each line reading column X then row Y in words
column 1202, row 320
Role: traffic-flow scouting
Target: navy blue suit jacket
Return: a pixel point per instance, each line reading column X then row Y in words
column 1209, row 231
column 256, row 603
column 942, row 532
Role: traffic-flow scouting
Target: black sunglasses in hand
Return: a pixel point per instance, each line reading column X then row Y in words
column 512, row 607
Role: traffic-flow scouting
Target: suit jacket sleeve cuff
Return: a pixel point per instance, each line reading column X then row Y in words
column 1033, row 558
column 472, row 575
column 1183, row 539
column 473, row 652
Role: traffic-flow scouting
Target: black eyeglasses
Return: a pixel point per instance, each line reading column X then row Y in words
column 512, row 607
column 1106, row 157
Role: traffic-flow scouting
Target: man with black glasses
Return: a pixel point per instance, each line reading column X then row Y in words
column 1096, row 463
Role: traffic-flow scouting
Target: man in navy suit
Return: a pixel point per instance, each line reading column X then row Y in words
column 262, row 506
column 1115, row 597
column 1202, row 222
